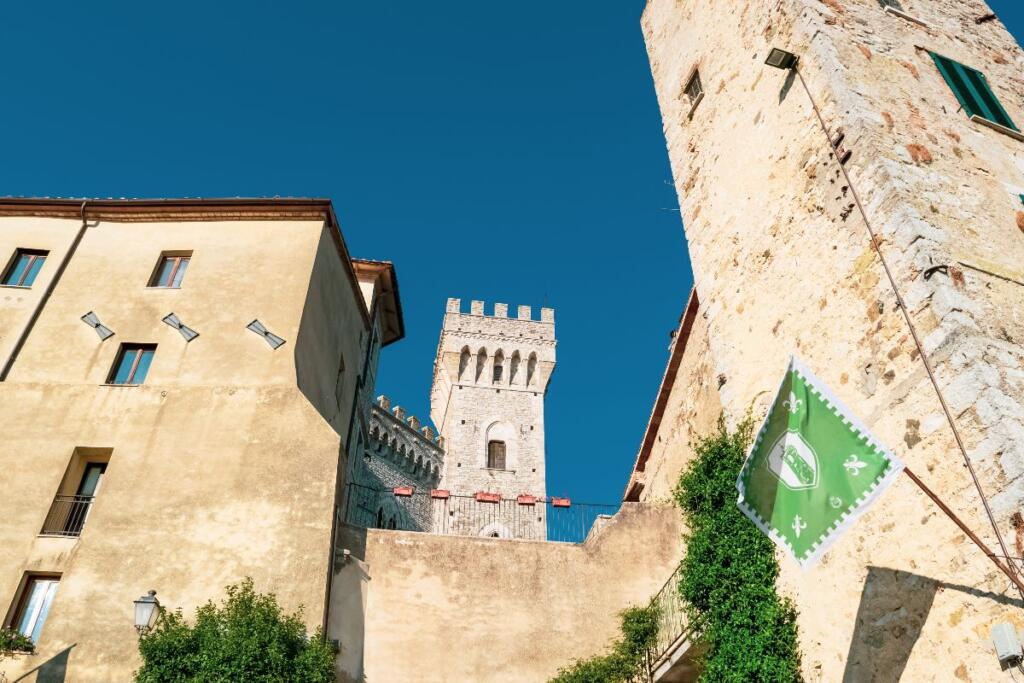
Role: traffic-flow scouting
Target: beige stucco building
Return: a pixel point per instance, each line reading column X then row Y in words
column 151, row 458
column 783, row 263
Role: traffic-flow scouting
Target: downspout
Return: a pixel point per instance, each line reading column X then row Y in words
column 37, row 311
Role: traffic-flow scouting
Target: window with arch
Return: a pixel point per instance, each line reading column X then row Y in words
column 499, row 366
column 418, row 466
column 513, row 368
column 464, row 358
column 481, row 363
column 531, row 369
column 496, row 455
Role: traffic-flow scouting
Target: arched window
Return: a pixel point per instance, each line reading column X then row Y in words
column 513, row 369
column 531, row 369
column 380, row 518
column 464, row 359
column 499, row 365
column 481, row 363
column 419, row 465
column 496, row 455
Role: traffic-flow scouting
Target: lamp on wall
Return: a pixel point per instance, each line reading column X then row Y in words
column 781, row 59
column 93, row 321
column 147, row 612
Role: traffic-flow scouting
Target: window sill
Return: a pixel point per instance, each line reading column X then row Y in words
column 160, row 287
column 693, row 107
column 1016, row 135
column 17, row 286
column 498, row 469
column 903, row 15
column 112, row 385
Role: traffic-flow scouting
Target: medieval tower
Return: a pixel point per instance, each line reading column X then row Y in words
column 487, row 399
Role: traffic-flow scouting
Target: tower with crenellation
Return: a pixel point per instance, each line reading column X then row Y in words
column 491, row 375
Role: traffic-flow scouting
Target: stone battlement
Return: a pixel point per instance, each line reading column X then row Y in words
column 425, row 432
column 547, row 315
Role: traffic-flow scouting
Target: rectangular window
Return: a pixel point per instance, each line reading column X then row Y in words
column 972, row 91
column 693, row 90
column 496, row 455
column 23, row 268
column 170, row 270
column 34, row 605
column 132, row 364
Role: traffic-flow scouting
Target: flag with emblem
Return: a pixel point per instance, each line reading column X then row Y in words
column 812, row 469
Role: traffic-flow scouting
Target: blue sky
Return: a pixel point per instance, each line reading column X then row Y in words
column 501, row 152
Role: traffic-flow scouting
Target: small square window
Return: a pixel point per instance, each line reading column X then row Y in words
column 23, row 268
column 33, row 604
column 693, row 90
column 170, row 270
column 132, row 364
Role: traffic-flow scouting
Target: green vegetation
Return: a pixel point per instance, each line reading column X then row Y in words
column 729, row 572
column 12, row 642
column 248, row 638
column 627, row 658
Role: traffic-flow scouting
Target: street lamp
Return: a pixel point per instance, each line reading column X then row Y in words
column 781, row 59
column 147, row 611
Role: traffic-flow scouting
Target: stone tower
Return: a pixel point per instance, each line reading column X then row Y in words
column 923, row 100
column 487, row 400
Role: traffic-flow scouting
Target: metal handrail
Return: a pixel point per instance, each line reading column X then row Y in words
column 67, row 516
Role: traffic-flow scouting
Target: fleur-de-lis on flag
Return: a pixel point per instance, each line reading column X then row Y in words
column 853, row 465
column 793, row 403
column 798, row 525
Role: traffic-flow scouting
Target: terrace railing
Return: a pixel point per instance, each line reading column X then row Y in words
column 67, row 516
column 482, row 514
column 675, row 632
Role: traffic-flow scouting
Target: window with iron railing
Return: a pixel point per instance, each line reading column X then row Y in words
column 68, row 512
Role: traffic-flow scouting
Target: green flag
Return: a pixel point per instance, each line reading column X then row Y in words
column 812, row 469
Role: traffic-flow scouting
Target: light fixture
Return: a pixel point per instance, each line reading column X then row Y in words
column 93, row 321
column 147, row 612
column 781, row 59
column 187, row 332
column 272, row 339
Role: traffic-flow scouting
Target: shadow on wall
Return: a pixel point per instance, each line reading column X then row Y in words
column 53, row 670
column 894, row 606
column 349, row 592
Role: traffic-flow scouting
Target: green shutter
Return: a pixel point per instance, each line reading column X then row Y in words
column 972, row 91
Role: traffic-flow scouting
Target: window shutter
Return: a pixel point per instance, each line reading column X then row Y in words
column 972, row 91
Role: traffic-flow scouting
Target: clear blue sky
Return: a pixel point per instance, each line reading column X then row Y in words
column 504, row 152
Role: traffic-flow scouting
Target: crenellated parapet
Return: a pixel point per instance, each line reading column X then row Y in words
column 409, row 447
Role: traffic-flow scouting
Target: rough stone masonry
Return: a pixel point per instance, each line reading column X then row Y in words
column 783, row 264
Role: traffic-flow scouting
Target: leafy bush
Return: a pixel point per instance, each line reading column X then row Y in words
column 625, row 662
column 248, row 638
column 12, row 641
column 729, row 572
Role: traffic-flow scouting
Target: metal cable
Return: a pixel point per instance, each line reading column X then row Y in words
column 910, row 323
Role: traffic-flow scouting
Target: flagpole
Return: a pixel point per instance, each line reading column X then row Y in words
column 963, row 527
column 1011, row 572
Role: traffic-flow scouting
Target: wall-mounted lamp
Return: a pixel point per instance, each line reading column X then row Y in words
column 93, row 321
column 272, row 339
column 147, row 612
column 187, row 332
column 781, row 59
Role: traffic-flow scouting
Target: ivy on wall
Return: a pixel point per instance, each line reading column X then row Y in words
column 627, row 660
column 729, row 572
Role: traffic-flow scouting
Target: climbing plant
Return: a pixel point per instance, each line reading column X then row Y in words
column 12, row 642
column 729, row 572
column 625, row 663
column 247, row 638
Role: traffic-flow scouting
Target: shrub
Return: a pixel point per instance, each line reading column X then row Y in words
column 247, row 638
column 12, row 641
column 639, row 626
column 729, row 572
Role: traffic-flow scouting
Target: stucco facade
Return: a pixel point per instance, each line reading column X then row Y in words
column 226, row 461
column 783, row 264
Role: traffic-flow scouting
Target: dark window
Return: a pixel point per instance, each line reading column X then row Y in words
column 34, row 605
column 132, row 364
column 693, row 88
column 496, row 455
column 68, row 513
column 170, row 270
column 23, row 268
column 972, row 91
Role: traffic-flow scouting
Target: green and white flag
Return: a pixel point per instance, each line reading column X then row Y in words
column 812, row 469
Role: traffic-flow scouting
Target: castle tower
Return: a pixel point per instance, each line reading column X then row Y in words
column 923, row 102
column 487, row 400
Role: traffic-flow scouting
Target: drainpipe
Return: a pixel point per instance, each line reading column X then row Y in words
column 37, row 311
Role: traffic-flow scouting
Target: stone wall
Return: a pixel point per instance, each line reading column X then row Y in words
column 420, row 607
column 783, row 264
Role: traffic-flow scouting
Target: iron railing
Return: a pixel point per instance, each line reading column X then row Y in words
column 441, row 512
column 674, row 627
column 67, row 516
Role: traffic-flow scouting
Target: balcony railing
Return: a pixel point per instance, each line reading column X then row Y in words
column 67, row 516
column 441, row 512
column 676, row 634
